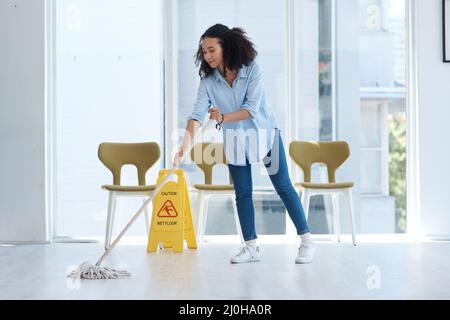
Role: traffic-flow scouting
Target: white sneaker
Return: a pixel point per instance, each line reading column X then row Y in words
column 247, row 254
column 305, row 253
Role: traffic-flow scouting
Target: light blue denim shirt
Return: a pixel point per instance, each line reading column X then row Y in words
column 251, row 138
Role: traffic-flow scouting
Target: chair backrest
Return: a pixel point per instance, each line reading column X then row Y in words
column 206, row 155
column 115, row 155
column 332, row 154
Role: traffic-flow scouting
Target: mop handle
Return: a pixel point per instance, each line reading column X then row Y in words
column 150, row 198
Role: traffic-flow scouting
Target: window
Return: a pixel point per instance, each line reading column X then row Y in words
column 383, row 116
column 108, row 88
column 380, row 190
column 314, row 90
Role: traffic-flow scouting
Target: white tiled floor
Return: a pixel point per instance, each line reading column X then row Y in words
column 340, row 271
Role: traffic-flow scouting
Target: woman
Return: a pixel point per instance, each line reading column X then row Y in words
column 231, row 91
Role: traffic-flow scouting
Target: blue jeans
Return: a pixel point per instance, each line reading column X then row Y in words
column 278, row 172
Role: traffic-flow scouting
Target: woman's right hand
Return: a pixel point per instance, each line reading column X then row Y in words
column 187, row 140
column 178, row 156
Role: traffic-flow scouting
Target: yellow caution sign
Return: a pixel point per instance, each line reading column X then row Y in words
column 172, row 217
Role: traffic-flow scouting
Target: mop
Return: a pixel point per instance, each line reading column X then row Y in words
column 96, row 272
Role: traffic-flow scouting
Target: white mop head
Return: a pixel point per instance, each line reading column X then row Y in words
column 93, row 272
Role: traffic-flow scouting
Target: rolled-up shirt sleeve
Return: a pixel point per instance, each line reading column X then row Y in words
column 254, row 94
column 201, row 104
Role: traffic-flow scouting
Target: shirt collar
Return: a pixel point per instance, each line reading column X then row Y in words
column 241, row 74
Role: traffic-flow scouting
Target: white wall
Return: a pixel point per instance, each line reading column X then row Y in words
column 22, row 122
column 434, row 119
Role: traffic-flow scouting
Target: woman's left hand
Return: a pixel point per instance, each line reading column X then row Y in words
column 215, row 114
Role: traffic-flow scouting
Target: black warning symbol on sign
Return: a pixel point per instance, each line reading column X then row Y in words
column 167, row 210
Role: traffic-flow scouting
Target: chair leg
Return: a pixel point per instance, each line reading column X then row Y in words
column 337, row 220
column 110, row 218
column 147, row 219
column 199, row 217
column 236, row 220
column 305, row 201
column 352, row 218
column 329, row 215
column 205, row 216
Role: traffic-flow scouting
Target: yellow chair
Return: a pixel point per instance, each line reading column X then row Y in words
column 114, row 156
column 204, row 156
column 333, row 155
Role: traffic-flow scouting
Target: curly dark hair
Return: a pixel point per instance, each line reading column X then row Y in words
column 237, row 49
